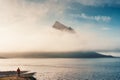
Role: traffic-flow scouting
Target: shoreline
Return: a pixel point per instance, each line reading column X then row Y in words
column 12, row 75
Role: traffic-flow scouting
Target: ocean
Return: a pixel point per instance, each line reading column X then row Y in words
column 66, row 69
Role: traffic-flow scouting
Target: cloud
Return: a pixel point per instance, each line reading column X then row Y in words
column 96, row 18
column 25, row 12
column 25, row 26
column 106, row 28
column 98, row 2
column 51, row 40
column 101, row 3
column 23, row 22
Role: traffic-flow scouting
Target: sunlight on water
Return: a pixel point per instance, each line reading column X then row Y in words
column 66, row 69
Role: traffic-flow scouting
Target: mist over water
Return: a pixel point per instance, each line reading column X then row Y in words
column 52, row 40
column 27, row 27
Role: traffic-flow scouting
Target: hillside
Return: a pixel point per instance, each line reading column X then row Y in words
column 65, row 55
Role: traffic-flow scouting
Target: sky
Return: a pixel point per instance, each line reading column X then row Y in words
column 26, row 25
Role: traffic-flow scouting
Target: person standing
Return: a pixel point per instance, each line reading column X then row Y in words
column 18, row 72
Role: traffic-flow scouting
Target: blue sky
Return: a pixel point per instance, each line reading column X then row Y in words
column 107, row 10
column 24, row 22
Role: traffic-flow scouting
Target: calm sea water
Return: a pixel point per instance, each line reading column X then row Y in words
column 67, row 69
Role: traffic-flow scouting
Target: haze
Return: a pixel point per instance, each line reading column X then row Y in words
column 26, row 26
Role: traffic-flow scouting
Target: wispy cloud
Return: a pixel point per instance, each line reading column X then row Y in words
column 99, row 2
column 91, row 2
column 96, row 18
column 105, row 28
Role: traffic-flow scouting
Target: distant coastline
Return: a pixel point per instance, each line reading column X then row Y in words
column 78, row 54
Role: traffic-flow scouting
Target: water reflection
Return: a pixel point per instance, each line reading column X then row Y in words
column 66, row 69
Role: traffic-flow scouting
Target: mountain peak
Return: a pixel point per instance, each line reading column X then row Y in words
column 62, row 27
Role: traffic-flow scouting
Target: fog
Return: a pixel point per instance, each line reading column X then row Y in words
column 27, row 27
column 52, row 40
